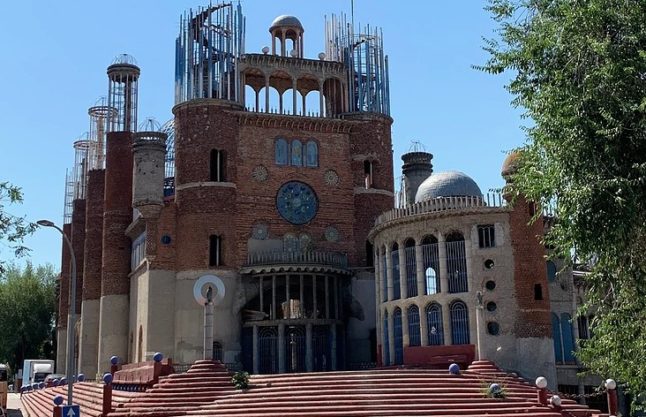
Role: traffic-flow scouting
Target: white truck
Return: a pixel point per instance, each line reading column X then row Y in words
column 35, row 370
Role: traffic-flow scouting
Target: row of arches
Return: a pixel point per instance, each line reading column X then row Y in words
column 434, row 328
column 426, row 254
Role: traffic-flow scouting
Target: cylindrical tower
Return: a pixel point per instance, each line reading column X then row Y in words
column 123, row 77
column 416, row 168
column 287, row 28
column 100, row 117
column 149, row 151
column 113, row 317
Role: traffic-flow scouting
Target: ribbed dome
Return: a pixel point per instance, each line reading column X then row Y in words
column 447, row 184
column 286, row 21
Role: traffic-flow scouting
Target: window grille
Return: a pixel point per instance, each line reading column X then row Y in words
column 280, row 153
column 384, row 279
column 394, row 260
column 386, row 345
column 459, row 323
column 311, row 152
column 295, row 348
column 556, row 336
column 487, row 236
column 217, row 352
column 431, row 260
column 456, row 263
column 215, row 250
column 399, row 337
column 414, row 336
column 138, row 251
column 411, row 269
column 434, row 324
column 268, row 350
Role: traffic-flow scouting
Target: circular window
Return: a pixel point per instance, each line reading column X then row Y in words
column 490, row 285
column 296, row 202
column 493, row 328
column 491, row 306
column 165, row 240
column 551, row 271
column 489, row 263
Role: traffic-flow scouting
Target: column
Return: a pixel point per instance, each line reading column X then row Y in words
column 301, row 299
column 262, row 296
column 467, row 257
column 327, row 298
column 257, row 109
column 402, row 270
column 405, row 334
column 337, row 313
column 309, row 363
column 273, row 297
column 321, row 105
column 423, row 322
column 283, row 44
column 391, row 338
column 378, row 280
column 256, row 365
column 446, row 325
column 280, row 103
column 287, row 314
column 389, row 269
column 266, row 94
column 294, row 107
column 304, row 105
column 281, row 348
column 420, row 273
column 273, row 44
column 315, row 304
column 333, row 349
column 441, row 251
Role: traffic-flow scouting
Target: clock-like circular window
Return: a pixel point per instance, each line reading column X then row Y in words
column 296, row 202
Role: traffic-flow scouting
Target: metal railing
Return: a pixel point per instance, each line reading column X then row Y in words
column 318, row 257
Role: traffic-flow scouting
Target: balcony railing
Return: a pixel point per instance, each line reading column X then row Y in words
column 310, row 257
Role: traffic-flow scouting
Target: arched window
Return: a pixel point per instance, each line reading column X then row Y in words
column 386, row 341
column 367, row 172
column 411, row 268
column 217, row 166
column 268, row 350
column 290, row 243
column 394, row 260
column 297, row 153
column 568, row 338
column 281, row 154
column 459, row 323
column 399, row 336
column 456, row 263
column 217, row 351
column 414, row 336
column 215, row 250
column 434, row 324
column 431, row 258
column 556, row 335
column 311, row 154
column 384, row 276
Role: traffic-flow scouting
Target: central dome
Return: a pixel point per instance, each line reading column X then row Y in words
column 286, row 21
column 447, row 184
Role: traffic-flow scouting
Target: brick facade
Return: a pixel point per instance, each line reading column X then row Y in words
column 78, row 244
column 93, row 235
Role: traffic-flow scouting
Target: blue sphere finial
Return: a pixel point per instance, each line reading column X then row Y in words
column 114, row 360
column 58, row 400
column 454, row 369
column 81, row 378
column 107, row 378
column 157, row 357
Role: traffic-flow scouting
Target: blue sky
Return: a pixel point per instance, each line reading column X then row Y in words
column 55, row 54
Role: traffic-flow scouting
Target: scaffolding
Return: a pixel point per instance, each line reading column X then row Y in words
column 210, row 42
column 68, row 205
column 169, row 167
column 100, row 116
column 81, row 167
column 367, row 67
column 123, row 77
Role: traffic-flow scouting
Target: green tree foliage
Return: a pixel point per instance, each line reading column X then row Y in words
column 579, row 70
column 27, row 313
column 13, row 229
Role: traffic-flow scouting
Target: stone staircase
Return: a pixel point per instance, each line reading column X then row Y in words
column 89, row 395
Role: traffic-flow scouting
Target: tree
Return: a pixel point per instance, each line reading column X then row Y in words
column 579, row 71
column 27, row 313
column 13, row 229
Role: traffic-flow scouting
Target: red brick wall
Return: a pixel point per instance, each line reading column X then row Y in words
column 64, row 288
column 529, row 269
column 93, row 235
column 78, row 243
column 162, row 256
column 118, row 214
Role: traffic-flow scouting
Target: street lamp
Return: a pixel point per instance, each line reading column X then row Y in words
column 71, row 312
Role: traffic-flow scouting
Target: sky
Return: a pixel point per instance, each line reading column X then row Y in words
column 54, row 57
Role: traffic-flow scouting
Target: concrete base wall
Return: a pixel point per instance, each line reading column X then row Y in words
column 536, row 358
column 113, row 330
column 358, row 346
column 61, row 349
column 159, row 334
column 89, row 337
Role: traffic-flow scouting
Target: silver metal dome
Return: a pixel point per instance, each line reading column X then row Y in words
column 286, row 21
column 447, row 184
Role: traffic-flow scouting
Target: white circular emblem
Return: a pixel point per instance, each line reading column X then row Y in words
column 201, row 288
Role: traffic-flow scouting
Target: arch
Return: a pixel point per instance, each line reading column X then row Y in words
column 268, row 350
column 456, row 263
column 251, row 98
column 297, row 153
column 556, row 335
column 414, row 334
column 434, row 325
column 459, row 316
column 217, row 352
column 568, row 338
column 398, row 336
column 313, row 103
column 281, row 152
column 394, row 262
column 386, row 340
column 269, row 99
column 311, row 154
column 431, row 259
column 432, row 281
column 384, row 275
column 411, row 267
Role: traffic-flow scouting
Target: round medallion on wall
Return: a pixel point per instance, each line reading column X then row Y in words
column 331, row 234
column 296, row 202
column 260, row 173
column 259, row 231
column 331, row 177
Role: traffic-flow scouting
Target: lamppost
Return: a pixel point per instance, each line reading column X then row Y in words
column 71, row 313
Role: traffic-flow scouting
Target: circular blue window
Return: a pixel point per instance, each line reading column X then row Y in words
column 296, row 202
